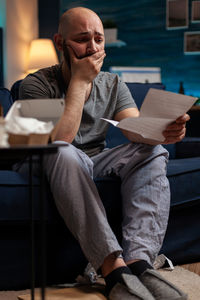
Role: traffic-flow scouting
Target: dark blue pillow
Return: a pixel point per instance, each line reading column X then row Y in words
column 139, row 90
column 6, row 100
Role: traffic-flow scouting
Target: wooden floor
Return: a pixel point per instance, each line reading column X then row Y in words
column 195, row 267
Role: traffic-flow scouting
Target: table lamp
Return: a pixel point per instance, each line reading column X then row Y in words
column 42, row 54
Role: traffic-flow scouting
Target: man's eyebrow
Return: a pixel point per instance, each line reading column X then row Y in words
column 99, row 33
column 87, row 32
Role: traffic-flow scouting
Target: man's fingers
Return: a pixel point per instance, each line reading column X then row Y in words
column 72, row 54
column 96, row 59
column 183, row 119
column 174, row 133
column 86, row 67
column 174, row 136
column 100, row 60
column 175, row 126
column 172, row 140
column 98, row 56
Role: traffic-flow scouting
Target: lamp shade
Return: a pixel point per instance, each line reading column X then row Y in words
column 42, row 54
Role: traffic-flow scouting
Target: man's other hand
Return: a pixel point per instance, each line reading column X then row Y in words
column 175, row 132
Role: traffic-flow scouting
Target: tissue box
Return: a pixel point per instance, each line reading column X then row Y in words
column 31, row 139
column 45, row 110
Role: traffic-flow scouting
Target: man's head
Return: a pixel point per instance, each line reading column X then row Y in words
column 82, row 30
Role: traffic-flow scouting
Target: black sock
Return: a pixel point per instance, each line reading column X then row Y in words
column 138, row 267
column 114, row 277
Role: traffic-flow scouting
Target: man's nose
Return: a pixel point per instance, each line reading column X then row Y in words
column 92, row 47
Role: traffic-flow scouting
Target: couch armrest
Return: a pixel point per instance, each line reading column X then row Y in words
column 188, row 147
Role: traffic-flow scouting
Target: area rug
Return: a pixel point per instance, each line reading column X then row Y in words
column 188, row 281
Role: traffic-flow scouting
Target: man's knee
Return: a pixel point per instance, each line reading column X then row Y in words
column 154, row 150
column 69, row 157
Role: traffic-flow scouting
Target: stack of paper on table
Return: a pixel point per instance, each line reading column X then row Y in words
column 159, row 109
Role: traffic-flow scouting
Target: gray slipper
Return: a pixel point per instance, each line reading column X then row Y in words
column 159, row 287
column 132, row 290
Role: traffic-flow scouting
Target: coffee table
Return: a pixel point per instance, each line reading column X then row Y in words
column 33, row 153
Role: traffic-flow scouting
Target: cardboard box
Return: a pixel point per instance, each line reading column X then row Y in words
column 31, row 139
column 41, row 109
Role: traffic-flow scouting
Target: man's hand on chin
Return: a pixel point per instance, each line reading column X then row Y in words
column 88, row 67
column 175, row 132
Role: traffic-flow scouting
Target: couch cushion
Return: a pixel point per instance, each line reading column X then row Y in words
column 182, row 242
column 171, row 148
column 115, row 137
column 15, row 204
column 188, row 147
column 183, row 175
column 139, row 90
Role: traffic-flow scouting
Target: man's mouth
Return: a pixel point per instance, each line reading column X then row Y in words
column 83, row 56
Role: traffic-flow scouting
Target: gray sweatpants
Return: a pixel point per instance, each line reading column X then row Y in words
column 145, row 199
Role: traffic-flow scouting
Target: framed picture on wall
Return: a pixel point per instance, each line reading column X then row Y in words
column 192, row 42
column 195, row 18
column 177, row 14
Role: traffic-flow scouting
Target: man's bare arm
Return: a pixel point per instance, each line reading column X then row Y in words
column 68, row 125
column 127, row 113
column 83, row 71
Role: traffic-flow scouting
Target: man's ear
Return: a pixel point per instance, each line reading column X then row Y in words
column 58, row 41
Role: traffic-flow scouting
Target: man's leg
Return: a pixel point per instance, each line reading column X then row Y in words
column 146, row 202
column 70, row 173
column 145, row 196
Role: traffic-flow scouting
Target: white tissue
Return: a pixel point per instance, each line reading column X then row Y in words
column 3, row 134
column 26, row 126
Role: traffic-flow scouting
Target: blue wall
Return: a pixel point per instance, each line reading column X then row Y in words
column 1, row 57
column 141, row 24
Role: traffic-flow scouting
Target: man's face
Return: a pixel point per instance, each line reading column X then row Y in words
column 85, row 37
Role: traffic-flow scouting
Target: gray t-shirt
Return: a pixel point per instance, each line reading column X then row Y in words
column 109, row 95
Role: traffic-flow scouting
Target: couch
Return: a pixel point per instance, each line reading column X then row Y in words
column 64, row 257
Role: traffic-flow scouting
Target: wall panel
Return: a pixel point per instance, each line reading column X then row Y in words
column 142, row 25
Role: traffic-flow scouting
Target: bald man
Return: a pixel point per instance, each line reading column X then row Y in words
column 90, row 95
